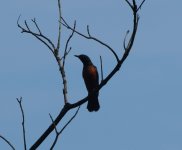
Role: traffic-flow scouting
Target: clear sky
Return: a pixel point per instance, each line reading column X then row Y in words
column 140, row 106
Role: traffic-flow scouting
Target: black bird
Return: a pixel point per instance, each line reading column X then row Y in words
column 91, row 78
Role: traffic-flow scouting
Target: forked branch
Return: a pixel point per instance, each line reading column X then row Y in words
column 61, row 58
column 41, row 37
column 90, row 37
column 55, row 49
column 58, row 133
column 127, row 47
column 120, row 61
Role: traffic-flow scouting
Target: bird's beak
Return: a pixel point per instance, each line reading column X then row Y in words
column 76, row 56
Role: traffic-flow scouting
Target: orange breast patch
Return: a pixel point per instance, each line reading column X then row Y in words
column 92, row 71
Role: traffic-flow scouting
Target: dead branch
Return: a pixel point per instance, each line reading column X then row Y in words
column 19, row 100
column 124, row 41
column 59, row 30
column 59, row 133
column 65, row 24
column 46, row 41
column 55, row 50
column 141, row 5
column 8, row 142
column 101, row 68
column 51, row 46
column 129, row 4
column 70, row 120
column 62, row 113
column 62, row 65
column 66, row 51
column 127, row 48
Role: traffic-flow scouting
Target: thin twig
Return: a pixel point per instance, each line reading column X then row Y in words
column 67, row 42
column 23, row 122
column 45, row 40
column 59, row 30
column 62, row 113
column 59, row 133
column 39, row 35
column 26, row 25
column 70, row 120
column 8, row 142
column 127, row 49
column 68, row 106
column 129, row 4
column 101, row 67
column 65, row 24
column 88, row 31
column 141, row 5
column 53, row 123
column 34, row 21
column 124, row 41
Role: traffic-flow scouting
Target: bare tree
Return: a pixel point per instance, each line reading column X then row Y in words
column 60, row 57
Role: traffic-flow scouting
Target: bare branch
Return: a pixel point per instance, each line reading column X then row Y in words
column 88, row 31
column 62, row 64
column 124, row 42
column 54, row 142
column 34, row 21
column 135, row 26
column 59, row 30
column 39, row 35
column 65, row 24
column 59, row 133
column 8, row 142
column 62, row 113
column 141, row 5
column 51, row 46
column 129, row 4
column 134, row 4
column 66, row 51
column 127, row 48
column 23, row 122
column 51, row 127
column 54, row 124
column 101, row 67
column 62, row 71
column 26, row 25
column 63, row 75
column 70, row 120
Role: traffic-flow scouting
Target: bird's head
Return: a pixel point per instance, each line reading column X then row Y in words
column 84, row 59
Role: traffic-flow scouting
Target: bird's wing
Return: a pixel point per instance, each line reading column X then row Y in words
column 91, row 77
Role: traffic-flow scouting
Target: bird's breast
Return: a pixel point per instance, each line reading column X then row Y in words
column 91, row 77
column 90, row 72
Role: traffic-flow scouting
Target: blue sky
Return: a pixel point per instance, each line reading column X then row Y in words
column 140, row 106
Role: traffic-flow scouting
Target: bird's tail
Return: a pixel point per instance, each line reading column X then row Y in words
column 93, row 103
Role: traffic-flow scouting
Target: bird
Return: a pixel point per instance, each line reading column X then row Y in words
column 91, row 79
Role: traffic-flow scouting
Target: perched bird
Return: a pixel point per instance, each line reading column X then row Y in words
column 91, row 78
